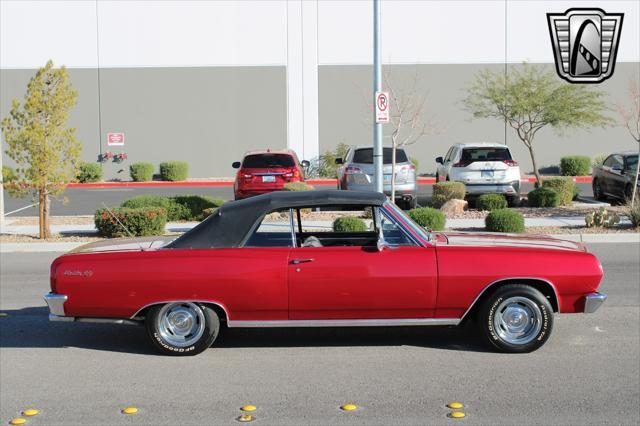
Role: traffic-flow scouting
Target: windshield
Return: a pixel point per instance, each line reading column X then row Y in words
column 485, row 154
column 414, row 226
column 365, row 156
column 267, row 161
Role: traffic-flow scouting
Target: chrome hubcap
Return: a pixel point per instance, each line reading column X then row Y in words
column 518, row 320
column 181, row 324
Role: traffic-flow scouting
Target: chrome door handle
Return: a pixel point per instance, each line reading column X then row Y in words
column 299, row 261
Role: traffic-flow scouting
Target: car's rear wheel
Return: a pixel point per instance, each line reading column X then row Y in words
column 597, row 190
column 182, row 328
column 516, row 318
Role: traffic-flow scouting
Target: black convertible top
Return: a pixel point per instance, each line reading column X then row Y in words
column 230, row 224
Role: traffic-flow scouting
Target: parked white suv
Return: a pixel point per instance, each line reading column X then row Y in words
column 484, row 168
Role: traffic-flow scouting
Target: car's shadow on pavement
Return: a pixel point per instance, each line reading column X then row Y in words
column 30, row 328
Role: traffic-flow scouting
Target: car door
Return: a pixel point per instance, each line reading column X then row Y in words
column 352, row 282
column 615, row 180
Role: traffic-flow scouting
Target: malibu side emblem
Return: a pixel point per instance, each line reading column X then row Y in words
column 585, row 43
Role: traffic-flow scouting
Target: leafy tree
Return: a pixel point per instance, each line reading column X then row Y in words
column 630, row 119
column 531, row 98
column 44, row 149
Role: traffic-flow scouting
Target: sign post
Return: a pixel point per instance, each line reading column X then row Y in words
column 377, row 89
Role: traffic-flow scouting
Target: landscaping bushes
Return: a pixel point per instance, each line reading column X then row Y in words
column 445, row 191
column 563, row 186
column 349, row 224
column 297, row 186
column 428, row 217
column 491, row 202
column 138, row 221
column 504, row 220
column 174, row 171
column 181, row 207
column 141, row 172
column 633, row 212
column 575, row 165
column 543, row 197
column 89, row 172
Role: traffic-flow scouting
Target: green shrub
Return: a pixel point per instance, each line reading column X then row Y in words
column 543, row 197
column 633, row 213
column 491, row 202
column 180, row 207
column 195, row 205
column 601, row 219
column 8, row 174
column 445, row 191
column 174, row 171
column 297, row 186
column 141, row 172
column 139, row 222
column 563, row 186
column 504, row 220
column 575, row 165
column 174, row 210
column 89, row 172
column 576, row 192
column 349, row 224
column 429, row 218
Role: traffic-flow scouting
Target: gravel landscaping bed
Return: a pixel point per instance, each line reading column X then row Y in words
column 576, row 210
column 544, row 230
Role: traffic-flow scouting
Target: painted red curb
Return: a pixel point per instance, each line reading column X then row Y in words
column 332, row 182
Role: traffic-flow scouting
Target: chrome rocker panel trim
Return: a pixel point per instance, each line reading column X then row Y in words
column 346, row 323
column 593, row 301
column 120, row 321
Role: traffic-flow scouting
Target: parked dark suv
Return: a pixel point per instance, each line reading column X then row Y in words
column 615, row 176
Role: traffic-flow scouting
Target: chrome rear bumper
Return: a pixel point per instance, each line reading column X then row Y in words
column 593, row 301
column 56, row 303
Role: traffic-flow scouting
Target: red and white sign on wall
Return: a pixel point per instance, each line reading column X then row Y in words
column 115, row 139
column 382, row 107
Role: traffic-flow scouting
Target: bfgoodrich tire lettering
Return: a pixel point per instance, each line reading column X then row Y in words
column 200, row 327
column 516, row 318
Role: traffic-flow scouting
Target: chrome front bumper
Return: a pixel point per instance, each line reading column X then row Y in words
column 56, row 304
column 593, row 301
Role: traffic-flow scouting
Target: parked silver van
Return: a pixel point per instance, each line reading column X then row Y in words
column 356, row 173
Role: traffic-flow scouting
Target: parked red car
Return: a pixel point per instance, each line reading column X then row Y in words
column 265, row 171
column 240, row 270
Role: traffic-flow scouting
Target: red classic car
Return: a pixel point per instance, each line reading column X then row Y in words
column 265, row 262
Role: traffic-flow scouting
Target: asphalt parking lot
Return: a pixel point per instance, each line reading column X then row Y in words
column 85, row 201
column 85, row 373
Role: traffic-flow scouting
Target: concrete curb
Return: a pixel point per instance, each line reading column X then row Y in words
column 580, row 238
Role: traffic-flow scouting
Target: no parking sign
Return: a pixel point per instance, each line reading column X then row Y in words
column 382, row 107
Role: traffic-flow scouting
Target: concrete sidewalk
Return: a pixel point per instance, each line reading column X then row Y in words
column 178, row 227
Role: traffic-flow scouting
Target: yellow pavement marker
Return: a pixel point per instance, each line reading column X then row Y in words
column 456, row 414
column 129, row 410
column 455, row 405
column 18, row 421
column 248, row 408
column 245, row 418
column 30, row 412
column 349, row 407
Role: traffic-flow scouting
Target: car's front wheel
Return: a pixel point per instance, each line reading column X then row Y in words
column 516, row 318
column 182, row 328
column 597, row 190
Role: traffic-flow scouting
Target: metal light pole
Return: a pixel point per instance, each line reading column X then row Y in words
column 377, row 87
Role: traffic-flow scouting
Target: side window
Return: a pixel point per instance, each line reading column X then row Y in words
column 335, row 226
column 274, row 231
column 617, row 161
column 608, row 162
column 448, row 156
column 393, row 234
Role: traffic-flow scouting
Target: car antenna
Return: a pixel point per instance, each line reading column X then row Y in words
column 122, row 224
